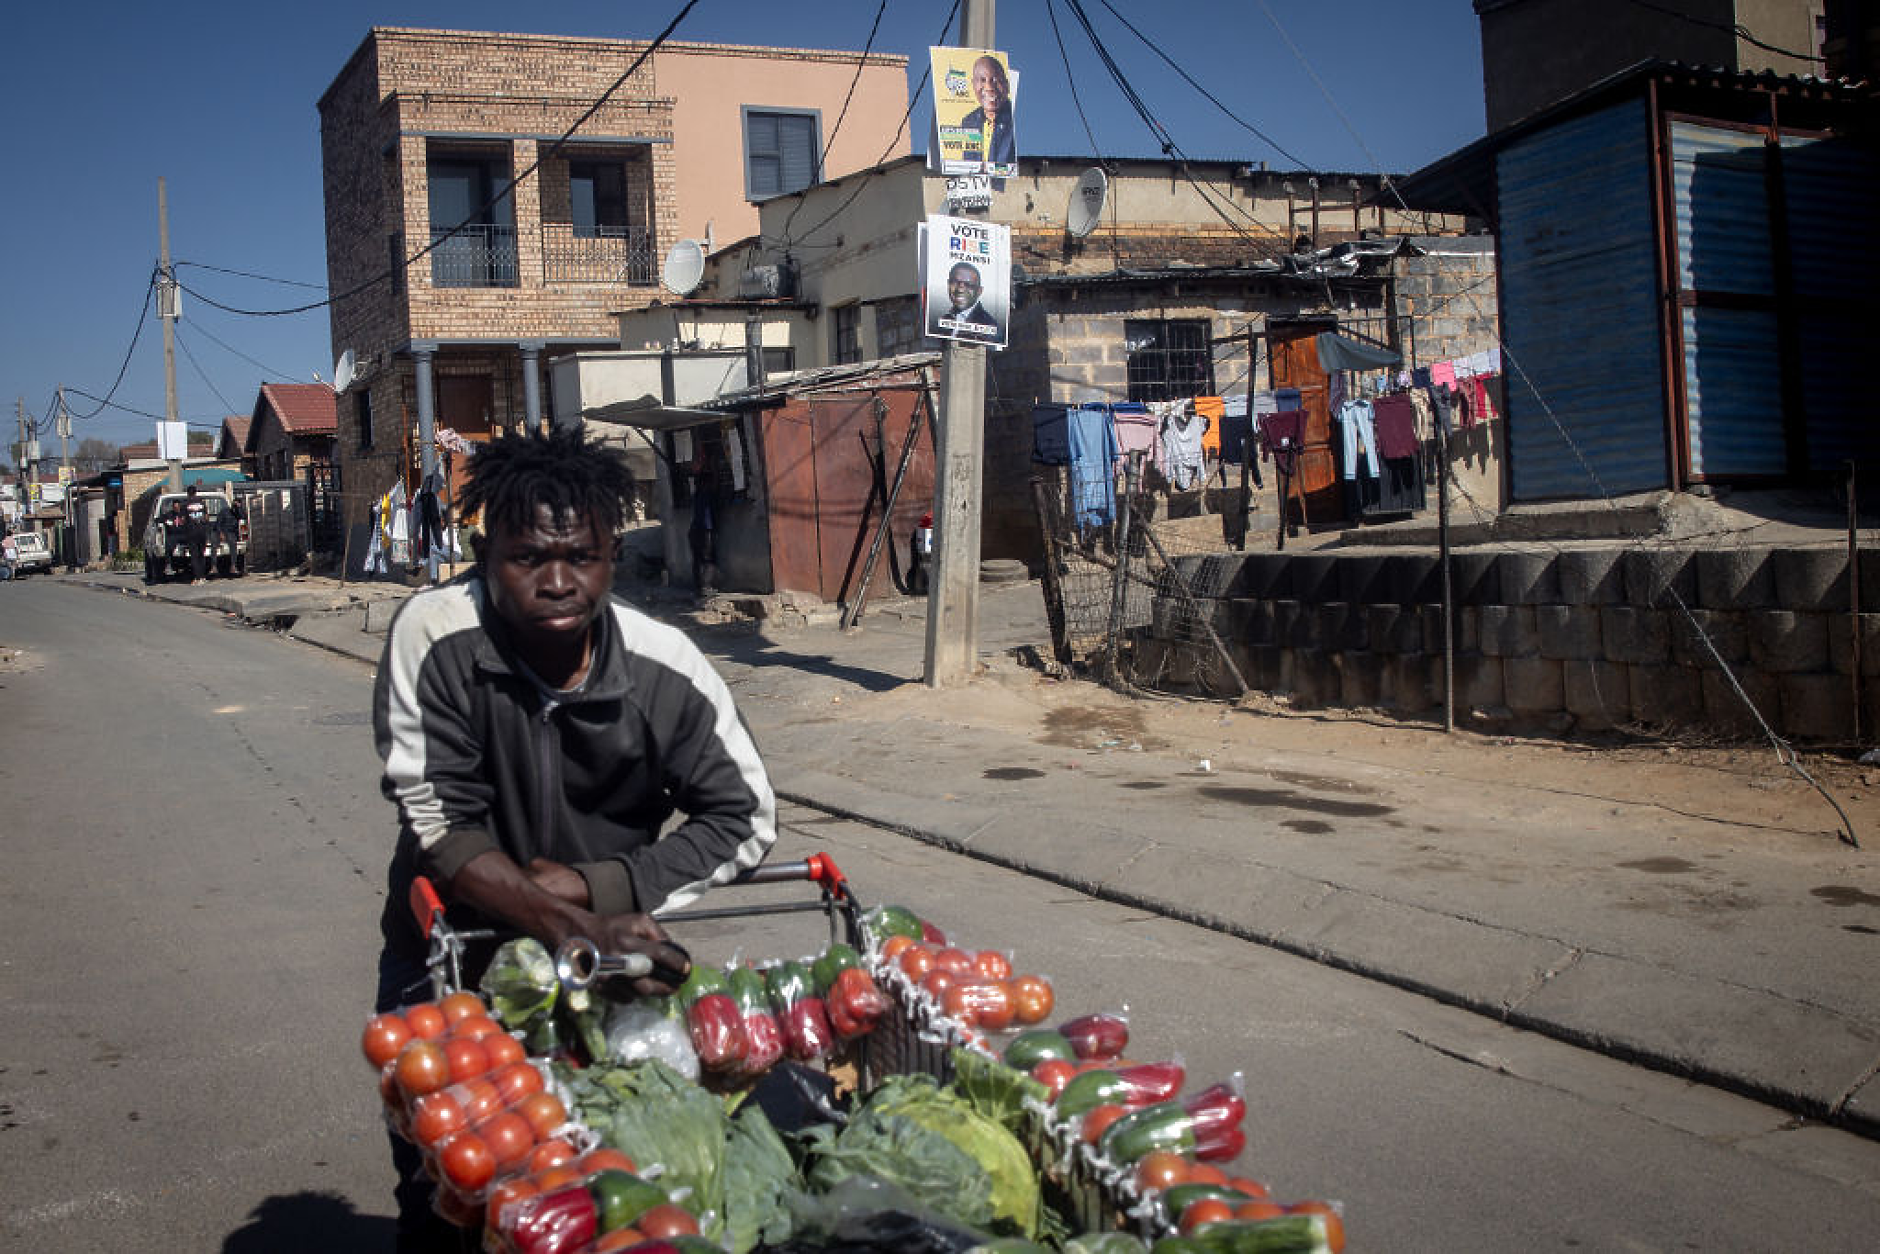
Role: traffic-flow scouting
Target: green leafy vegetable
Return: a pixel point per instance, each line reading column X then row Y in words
column 658, row 1116
column 760, row 1180
column 521, row 983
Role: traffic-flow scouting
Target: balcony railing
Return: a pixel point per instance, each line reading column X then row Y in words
column 479, row 255
column 618, row 255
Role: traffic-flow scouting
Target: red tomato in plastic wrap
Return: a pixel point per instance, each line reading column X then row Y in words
column 517, row 1081
column 505, row 1194
column 435, row 1116
column 1054, row 1074
column 509, row 1137
column 980, row 1003
column 992, row 965
column 426, row 1021
column 937, row 981
column 476, row 1027
column 952, row 959
column 917, row 961
column 1032, row 999
column 1097, row 1120
column 502, row 1049
column 422, row 1067
column 1334, row 1223
column 544, row 1111
column 548, row 1154
column 460, row 1006
column 384, row 1036
column 467, row 1058
column 666, row 1220
column 466, row 1161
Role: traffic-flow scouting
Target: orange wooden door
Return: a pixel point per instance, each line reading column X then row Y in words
column 1293, row 362
column 790, row 489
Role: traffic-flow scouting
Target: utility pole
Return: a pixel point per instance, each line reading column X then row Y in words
column 64, row 422
column 953, row 597
column 19, row 408
column 167, row 309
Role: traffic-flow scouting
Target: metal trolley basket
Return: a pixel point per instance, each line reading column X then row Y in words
column 915, row 1038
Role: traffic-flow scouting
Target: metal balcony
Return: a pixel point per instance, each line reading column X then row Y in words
column 479, row 255
column 618, row 255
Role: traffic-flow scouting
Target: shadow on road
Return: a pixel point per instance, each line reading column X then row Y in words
column 759, row 652
column 308, row 1223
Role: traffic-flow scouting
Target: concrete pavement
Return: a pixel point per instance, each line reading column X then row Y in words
column 1710, row 941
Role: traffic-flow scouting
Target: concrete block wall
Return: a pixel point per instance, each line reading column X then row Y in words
column 1582, row 640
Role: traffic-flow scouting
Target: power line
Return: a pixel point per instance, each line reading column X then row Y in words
column 149, row 288
column 265, row 278
column 261, row 365
column 227, row 408
column 1741, row 31
column 1070, row 79
column 1187, row 78
column 1376, row 165
column 861, row 63
column 497, row 198
column 206, row 424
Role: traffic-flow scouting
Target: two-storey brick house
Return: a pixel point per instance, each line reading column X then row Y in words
column 469, row 242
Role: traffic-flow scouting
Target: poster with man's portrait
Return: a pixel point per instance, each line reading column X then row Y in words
column 966, row 281
column 975, row 93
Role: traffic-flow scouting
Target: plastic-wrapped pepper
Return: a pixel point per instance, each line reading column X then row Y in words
column 1098, row 1037
column 1217, row 1106
column 856, row 1003
column 1151, row 1082
column 807, row 1034
column 713, row 1020
column 1091, row 1089
column 1219, row 1143
column 555, row 1223
column 762, row 1033
column 1163, row 1126
column 833, row 961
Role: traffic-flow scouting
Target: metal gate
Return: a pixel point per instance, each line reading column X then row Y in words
column 325, row 526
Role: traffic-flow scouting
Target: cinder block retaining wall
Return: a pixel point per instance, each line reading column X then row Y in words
column 1587, row 640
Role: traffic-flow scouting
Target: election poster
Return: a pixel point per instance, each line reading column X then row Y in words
column 966, row 286
column 975, row 96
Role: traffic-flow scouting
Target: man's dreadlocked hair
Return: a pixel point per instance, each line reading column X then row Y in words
column 512, row 475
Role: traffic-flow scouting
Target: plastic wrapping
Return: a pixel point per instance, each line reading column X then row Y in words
column 1098, row 1037
column 763, row 1034
column 807, row 1034
column 856, row 1003
column 644, row 1029
column 713, row 1021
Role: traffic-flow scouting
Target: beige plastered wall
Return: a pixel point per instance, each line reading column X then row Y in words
column 711, row 85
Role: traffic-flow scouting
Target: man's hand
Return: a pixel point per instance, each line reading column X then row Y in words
column 642, row 934
column 561, row 881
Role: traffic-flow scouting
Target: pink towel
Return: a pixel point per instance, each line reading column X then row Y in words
column 1443, row 372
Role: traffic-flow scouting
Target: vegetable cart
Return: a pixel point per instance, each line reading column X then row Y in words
column 929, row 1089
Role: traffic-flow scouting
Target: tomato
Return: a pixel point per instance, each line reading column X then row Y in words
column 479, row 1097
column 544, row 1112
column 393, row 1097
column 1209, row 1210
column 992, row 964
column 461, row 1005
column 475, row 1026
column 505, row 1194
column 917, row 961
column 384, row 1036
column 1252, row 1188
column 604, row 1157
column 517, row 1081
column 892, row 947
column 982, row 1003
column 509, row 1137
column 426, row 1021
column 560, row 1176
column 503, row 1049
column 467, row 1162
column 953, row 959
column 1161, row 1169
column 1098, row 1119
column 1205, row 1173
column 466, row 1058
column 1334, row 1223
column 666, row 1220
column 550, row 1153
column 618, row 1239
column 422, row 1067
column 1032, row 999
column 1253, row 1212
column 1054, row 1074
column 435, row 1116
column 937, row 981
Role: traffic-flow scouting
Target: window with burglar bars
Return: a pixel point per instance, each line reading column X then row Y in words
column 1169, row 358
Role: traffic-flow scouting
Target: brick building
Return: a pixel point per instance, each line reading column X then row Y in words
column 291, row 430
column 453, row 287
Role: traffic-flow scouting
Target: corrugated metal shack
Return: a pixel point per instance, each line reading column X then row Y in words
column 806, row 461
column 1687, row 279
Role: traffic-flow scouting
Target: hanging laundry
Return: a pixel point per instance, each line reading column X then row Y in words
column 1181, row 432
column 1050, row 436
column 1137, row 431
column 397, row 526
column 682, row 447
column 1093, row 465
column 1443, row 374
column 1211, row 408
column 734, row 454
column 1394, row 419
column 1420, row 377
column 375, row 548
column 1236, row 427
column 1356, row 418
column 1425, row 414
column 1478, row 389
column 1280, row 435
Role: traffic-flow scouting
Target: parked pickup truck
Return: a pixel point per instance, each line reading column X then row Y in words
column 30, row 552
column 165, row 553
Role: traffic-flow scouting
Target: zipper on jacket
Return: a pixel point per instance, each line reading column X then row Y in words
column 545, row 776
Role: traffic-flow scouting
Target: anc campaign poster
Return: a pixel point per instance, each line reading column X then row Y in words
column 975, row 94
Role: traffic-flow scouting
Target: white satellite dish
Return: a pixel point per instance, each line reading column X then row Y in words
column 684, row 268
column 1086, row 207
column 345, row 370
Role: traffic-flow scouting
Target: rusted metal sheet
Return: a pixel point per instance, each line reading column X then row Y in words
column 790, row 470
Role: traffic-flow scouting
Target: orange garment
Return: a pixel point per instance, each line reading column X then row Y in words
column 1213, row 408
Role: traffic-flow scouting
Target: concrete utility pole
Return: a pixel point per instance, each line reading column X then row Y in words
column 64, row 423
column 953, row 597
column 166, row 312
column 19, row 408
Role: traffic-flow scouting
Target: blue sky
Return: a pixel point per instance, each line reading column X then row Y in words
column 219, row 99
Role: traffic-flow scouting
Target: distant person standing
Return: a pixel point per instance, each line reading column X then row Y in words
column 707, row 504
column 195, row 514
column 229, row 530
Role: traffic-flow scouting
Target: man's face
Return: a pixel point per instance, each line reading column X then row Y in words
column 988, row 87
column 962, row 287
column 548, row 580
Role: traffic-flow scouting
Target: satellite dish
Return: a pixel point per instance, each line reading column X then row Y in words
column 684, row 268
column 1086, row 207
column 344, row 370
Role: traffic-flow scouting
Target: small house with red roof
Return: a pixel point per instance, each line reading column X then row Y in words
column 292, row 428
